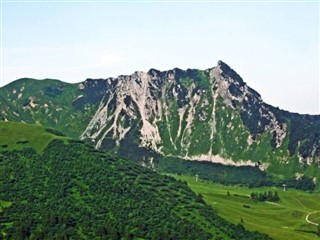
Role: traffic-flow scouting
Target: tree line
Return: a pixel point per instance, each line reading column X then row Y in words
column 265, row 196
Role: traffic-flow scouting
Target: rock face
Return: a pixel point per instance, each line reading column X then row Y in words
column 189, row 114
column 210, row 115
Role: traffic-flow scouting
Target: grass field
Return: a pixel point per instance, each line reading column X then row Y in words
column 283, row 220
column 4, row 204
column 20, row 135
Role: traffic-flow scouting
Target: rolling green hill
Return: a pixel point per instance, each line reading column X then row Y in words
column 73, row 191
column 283, row 220
column 17, row 136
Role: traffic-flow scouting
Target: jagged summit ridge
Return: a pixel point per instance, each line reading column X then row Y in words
column 227, row 71
column 153, row 98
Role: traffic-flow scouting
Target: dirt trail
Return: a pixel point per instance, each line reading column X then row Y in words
column 308, row 215
column 307, row 218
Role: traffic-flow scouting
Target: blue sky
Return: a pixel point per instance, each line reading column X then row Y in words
column 273, row 46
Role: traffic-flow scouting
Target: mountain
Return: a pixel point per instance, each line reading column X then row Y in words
column 68, row 190
column 207, row 115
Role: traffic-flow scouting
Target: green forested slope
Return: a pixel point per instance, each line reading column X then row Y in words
column 72, row 191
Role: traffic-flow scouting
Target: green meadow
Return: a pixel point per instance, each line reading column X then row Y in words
column 283, row 220
column 16, row 136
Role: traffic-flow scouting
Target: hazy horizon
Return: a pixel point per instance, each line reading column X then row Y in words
column 274, row 47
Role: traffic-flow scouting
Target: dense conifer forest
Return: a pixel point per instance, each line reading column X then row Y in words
column 72, row 191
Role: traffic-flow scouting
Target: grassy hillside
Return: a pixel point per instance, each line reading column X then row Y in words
column 16, row 136
column 283, row 220
column 48, row 102
column 72, row 191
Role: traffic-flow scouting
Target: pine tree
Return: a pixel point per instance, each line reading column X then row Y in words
column 270, row 196
column 276, row 197
column 261, row 197
column 252, row 195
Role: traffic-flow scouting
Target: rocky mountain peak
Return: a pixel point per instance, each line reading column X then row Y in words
column 228, row 72
column 193, row 114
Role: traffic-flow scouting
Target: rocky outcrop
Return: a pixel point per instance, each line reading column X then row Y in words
column 177, row 113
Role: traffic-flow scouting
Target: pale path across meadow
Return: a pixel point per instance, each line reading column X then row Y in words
column 307, row 218
column 308, row 215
